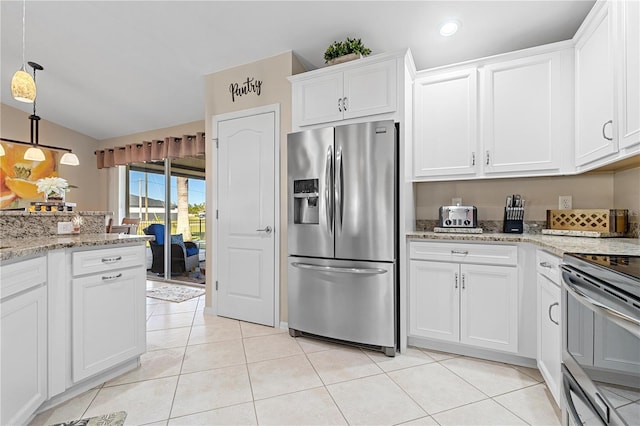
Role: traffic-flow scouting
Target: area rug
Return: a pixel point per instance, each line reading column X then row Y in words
column 174, row 293
column 111, row 419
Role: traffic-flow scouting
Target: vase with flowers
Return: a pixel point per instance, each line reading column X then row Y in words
column 53, row 188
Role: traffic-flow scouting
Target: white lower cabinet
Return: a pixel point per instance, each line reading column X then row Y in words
column 23, row 339
column 108, row 313
column 473, row 304
column 549, row 356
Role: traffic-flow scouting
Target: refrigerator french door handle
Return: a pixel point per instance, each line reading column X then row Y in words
column 339, row 182
column 328, row 199
column 321, row 268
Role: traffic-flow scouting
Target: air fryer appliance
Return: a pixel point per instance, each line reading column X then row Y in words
column 343, row 234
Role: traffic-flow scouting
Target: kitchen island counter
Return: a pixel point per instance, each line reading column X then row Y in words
column 15, row 248
column 558, row 245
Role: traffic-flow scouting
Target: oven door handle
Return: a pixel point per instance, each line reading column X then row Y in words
column 589, row 298
column 568, row 384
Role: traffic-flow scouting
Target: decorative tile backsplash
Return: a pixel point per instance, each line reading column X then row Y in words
column 38, row 224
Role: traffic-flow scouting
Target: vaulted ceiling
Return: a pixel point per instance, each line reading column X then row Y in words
column 114, row 68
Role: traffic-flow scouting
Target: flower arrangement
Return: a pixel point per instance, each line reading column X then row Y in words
column 53, row 186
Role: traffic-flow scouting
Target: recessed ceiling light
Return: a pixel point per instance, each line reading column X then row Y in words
column 449, row 28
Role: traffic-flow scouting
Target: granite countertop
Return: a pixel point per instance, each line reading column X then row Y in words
column 557, row 245
column 13, row 248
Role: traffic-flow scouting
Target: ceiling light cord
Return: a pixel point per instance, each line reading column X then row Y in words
column 24, row 32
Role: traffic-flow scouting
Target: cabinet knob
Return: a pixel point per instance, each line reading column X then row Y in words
column 546, row 265
column 456, row 280
column 488, row 157
column 473, row 158
column 345, row 103
column 463, row 279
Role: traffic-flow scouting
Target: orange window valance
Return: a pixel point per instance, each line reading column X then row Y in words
column 155, row 150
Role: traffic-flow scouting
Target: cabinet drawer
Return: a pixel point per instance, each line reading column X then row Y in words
column 489, row 254
column 94, row 261
column 20, row 276
column 548, row 265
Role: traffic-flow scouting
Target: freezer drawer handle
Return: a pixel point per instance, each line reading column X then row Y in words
column 364, row 271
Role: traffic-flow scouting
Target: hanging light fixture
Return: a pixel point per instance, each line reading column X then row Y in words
column 23, row 87
column 34, row 153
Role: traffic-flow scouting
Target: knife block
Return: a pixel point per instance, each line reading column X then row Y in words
column 513, row 220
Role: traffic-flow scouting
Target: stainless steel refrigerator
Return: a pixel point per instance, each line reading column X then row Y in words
column 342, row 233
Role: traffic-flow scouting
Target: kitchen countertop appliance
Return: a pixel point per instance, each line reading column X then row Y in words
column 458, row 216
column 601, row 339
column 343, row 234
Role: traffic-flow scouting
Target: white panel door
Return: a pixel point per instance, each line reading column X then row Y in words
column 446, row 132
column 526, row 113
column 246, row 204
column 434, row 309
column 595, row 128
column 489, row 307
column 628, row 58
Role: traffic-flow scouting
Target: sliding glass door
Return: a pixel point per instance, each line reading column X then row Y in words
column 171, row 194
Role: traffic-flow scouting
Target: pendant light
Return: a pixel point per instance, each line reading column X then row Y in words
column 23, row 87
column 34, row 153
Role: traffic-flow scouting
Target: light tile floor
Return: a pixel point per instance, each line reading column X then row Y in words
column 206, row 370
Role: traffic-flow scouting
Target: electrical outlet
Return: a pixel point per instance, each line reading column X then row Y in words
column 65, row 227
column 565, row 202
column 456, row 201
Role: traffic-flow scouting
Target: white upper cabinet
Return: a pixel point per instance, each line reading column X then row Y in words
column 360, row 88
column 628, row 64
column 526, row 113
column 595, row 127
column 445, row 130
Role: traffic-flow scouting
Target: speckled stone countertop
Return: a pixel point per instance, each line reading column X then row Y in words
column 557, row 245
column 13, row 248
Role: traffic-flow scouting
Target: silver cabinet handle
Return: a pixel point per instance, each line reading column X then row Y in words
column 488, row 157
column 546, row 265
column 345, row 103
column 603, row 127
column 551, row 307
column 112, row 277
column 340, row 104
column 111, row 259
column 461, row 252
column 322, row 268
column 266, row 229
column 473, row 158
column 456, row 280
column 463, row 281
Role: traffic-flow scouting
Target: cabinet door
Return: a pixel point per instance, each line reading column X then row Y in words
column 549, row 335
column 628, row 66
column 434, row 307
column 489, row 307
column 595, row 128
column 527, row 113
column 23, row 355
column 370, row 89
column 318, row 100
column 445, row 123
column 108, row 320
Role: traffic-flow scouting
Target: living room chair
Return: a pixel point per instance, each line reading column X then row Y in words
column 184, row 254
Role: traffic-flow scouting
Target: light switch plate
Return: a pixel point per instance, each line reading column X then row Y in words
column 65, row 227
column 565, row 202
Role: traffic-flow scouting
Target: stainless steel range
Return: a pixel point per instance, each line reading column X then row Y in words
column 601, row 339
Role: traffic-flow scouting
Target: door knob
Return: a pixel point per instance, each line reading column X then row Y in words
column 266, row 229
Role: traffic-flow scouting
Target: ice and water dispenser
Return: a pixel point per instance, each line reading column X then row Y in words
column 305, row 207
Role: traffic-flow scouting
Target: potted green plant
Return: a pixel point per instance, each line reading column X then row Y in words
column 348, row 50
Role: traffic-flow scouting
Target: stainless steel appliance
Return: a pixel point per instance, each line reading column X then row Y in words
column 343, row 233
column 458, row 216
column 601, row 339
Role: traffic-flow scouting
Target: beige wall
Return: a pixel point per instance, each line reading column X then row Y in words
column 601, row 190
column 276, row 89
column 626, row 192
column 89, row 196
